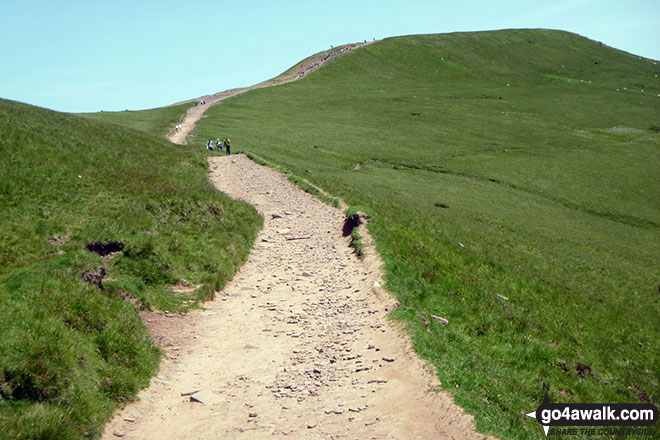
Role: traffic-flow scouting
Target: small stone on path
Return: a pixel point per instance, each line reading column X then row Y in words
column 205, row 397
column 190, row 393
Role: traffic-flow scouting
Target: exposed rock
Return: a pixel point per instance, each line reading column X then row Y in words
column 443, row 321
column 206, row 397
column 190, row 393
column 89, row 276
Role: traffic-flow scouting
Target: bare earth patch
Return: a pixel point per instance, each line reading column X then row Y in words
column 296, row 346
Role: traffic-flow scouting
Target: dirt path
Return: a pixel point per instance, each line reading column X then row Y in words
column 296, row 346
column 194, row 114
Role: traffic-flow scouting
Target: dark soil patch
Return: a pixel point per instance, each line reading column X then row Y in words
column 351, row 223
column 582, row 370
column 105, row 248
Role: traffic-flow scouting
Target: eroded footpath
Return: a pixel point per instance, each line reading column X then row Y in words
column 296, row 346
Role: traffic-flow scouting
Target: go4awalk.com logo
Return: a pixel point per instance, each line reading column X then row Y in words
column 595, row 419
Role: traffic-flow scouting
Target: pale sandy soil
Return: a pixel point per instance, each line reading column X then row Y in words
column 296, row 346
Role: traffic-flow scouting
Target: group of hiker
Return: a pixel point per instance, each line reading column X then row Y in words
column 304, row 71
column 219, row 145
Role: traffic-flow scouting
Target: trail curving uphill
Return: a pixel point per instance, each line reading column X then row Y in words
column 195, row 113
column 296, row 346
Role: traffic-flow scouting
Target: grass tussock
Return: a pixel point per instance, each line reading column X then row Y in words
column 356, row 243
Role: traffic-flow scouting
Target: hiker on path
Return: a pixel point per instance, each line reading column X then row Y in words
column 218, row 144
column 209, row 145
column 227, row 145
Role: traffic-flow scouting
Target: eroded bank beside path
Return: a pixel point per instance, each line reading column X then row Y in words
column 296, row 346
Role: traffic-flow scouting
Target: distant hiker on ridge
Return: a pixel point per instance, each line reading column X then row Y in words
column 218, row 144
column 227, row 145
column 209, row 145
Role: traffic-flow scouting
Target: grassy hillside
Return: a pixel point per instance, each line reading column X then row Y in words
column 511, row 177
column 158, row 121
column 71, row 351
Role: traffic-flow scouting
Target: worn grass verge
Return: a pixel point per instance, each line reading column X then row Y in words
column 296, row 180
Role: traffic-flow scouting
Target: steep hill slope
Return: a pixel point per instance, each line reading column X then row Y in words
column 510, row 177
column 83, row 197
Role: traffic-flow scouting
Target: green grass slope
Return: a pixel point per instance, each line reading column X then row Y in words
column 70, row 352
column 157, row 121
column 512, row 181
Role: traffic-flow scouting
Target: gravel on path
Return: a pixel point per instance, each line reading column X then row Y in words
column 296, row 346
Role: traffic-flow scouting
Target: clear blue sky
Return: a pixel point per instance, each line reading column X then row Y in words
column 91, row 55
